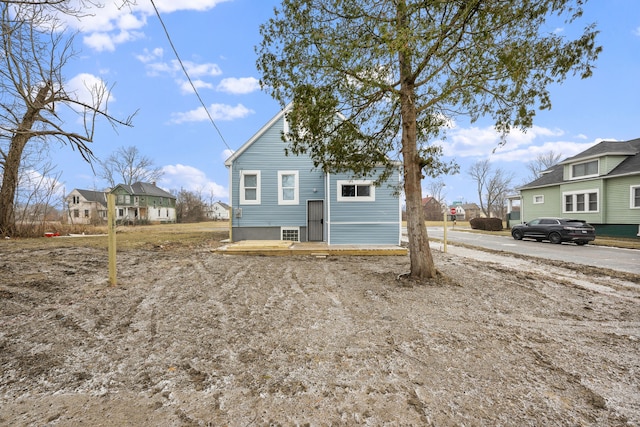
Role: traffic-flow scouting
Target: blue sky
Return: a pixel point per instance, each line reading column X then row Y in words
column 215, row 39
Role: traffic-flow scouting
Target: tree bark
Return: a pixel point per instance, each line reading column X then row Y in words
column 422, row 266
column 13, row 160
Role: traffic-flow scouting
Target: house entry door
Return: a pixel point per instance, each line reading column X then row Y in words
column 315, row 220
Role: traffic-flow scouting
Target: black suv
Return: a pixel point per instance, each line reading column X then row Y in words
column 555, row 230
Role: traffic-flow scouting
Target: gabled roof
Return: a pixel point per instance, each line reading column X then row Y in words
column 606, row 148
column 224, row 205
column 629, row 166
column 470, row 206
column 265, row 128
column 428, row 199
column 93, row 196
column 257, row 135
column 144, row 189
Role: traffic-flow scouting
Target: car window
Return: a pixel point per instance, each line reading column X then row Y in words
column 575, row 223
column 548, row 221
column 534, row 222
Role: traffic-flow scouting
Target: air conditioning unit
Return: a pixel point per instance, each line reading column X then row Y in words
column 238, row 212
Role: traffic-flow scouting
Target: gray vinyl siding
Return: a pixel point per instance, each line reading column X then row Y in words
column 365, row 222
column 268, row 156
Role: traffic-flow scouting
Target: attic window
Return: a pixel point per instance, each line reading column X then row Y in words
column 585, row 170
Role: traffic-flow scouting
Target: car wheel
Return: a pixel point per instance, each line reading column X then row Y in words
column 581, row 243
column 517, row 234
column 555, row 238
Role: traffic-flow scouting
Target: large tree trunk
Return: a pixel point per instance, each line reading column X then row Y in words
column 13, row 160
column 422, row 266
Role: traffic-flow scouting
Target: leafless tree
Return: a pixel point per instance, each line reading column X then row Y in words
column 436, row 189
column 493, row 186
column 38, row 198
column 541, row 163
column 127, row 166
column 34, row 100
column 190, row 206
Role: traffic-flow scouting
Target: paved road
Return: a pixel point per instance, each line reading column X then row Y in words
column 598, row 256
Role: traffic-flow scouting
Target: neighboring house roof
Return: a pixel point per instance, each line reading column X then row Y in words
column 93, row 196
column 470, row 206
column 224, row 205
column 144, row 188
column 629, row 166
column 429, row 199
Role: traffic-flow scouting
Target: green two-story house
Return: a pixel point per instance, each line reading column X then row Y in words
column 144, row 202
column 600, row 185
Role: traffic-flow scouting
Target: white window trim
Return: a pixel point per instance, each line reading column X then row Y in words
column 632, row 196
column 535, row 198
column 584, row 176
column 242, row 188
column 283, row 229
column 370, row 198
column 296, row 198
column 586, row 193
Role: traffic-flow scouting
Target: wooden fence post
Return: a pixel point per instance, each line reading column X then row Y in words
column 111, row 219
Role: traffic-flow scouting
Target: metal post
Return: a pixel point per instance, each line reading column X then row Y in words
column 445, row 230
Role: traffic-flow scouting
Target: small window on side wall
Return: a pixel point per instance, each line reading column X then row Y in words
column 250, row 187
column 538, row 200
column 356, row 191
column 635, row 197
column 288, row 188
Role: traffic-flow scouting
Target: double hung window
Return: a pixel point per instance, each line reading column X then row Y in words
column 250, row 187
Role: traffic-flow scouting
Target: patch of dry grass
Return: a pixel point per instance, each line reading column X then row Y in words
column 131, row 237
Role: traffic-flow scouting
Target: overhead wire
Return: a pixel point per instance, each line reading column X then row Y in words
column 184, row 70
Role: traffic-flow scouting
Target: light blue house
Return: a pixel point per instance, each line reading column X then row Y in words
column 278, row 197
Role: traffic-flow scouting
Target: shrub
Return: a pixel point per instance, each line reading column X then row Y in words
column 488, row 224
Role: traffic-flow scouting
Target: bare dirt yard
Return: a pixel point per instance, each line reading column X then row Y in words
column 190, row 337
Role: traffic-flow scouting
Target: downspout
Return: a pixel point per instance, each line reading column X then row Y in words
column 327, row 191
column 231, row 215
column 399, row 214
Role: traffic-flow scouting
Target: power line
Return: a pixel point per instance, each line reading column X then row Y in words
column 175, row 51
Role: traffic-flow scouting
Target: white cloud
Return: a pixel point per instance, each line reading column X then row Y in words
column 482, row 141
column 185, row 86
column 148, row 56
column 84, row 86
column 112, row 23
column 565, row 148
column 637, row 32
column 217, row 111
column 180, row 176
column 103, row 41
column 241, row 85
column 198, row 70
column 226, row 154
